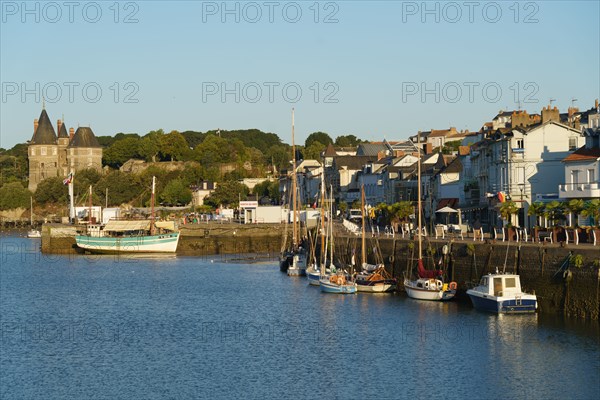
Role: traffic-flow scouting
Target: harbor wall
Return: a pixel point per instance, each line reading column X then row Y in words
column 574, row 293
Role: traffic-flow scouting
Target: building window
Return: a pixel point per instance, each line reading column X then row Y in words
column 591, row 177
column 43, row 151
column 519, row 143
column 572, row 143
column 54, row 151
column 32, row 151
column 575, row 177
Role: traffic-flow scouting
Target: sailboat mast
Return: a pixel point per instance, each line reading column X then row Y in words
column 323, row 250
column 364, row 239
column 294, row 194
column 31, row 213
column 419, row 192
column 152, row 206
column 90, row 216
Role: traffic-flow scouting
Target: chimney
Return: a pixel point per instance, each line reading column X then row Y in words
column 71, row 133
column 58, row 125
column 380, row 154
column 596, row 104
column 398, row 153
column 35, row 125
column 428, row 148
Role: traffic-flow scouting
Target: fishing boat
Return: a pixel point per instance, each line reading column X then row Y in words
column 130, row 236
column 297, row 257
column 33, row 233
column 502, row 294
column 373, row 278
column 429, row 285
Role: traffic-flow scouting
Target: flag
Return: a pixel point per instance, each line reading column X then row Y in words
column 501, row 197
column 68, row 179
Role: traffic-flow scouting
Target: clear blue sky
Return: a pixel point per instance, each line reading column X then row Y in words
column 376, row 58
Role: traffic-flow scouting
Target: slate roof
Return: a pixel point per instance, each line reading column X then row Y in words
column 44, row 133
column 330, row 151
column 84, row 137
column 62, row 133
column 370, row 149
column 353, row 162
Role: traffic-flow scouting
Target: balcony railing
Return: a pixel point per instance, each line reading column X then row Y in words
column 567, row 187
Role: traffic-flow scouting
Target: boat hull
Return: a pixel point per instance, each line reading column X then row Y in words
column 165, row 243
column 499, row 305
column 329, row 287
column 376, row 286
column 417, row 293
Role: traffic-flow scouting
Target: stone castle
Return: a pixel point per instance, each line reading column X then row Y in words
column 51, row 155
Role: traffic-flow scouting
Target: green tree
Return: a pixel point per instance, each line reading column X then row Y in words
column 82, row 181
column 173, row 147
column 575, row 206
column 536, row 209
column 554, row 211
column 51, row 190
column 227, row 194
column 121, row 151
column 347, row 141
column 592, row 209
column 14, row 195
column 122, row 188
column 148, row 148
column 320, row 137
column 343, row 207
column 267, row 188
column 176, row 193
column 508, row 209
column 313, row 152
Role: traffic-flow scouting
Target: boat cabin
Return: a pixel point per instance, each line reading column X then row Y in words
column 500, row 285
column 429, row 284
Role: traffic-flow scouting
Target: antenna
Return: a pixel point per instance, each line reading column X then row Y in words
column 551, row 100
column 573, row 100
column 519, row 105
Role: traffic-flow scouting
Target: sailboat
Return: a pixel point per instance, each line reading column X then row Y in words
column 313, row 272
column 338, row 281
column 373, row 278
column 429, row 284
column 33, row 233
column 130, row 236
column 297, row 264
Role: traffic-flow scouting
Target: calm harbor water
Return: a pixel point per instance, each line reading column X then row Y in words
column 106, row 327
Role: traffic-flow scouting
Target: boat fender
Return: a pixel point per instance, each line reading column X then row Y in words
column 567, row 275
column 452, row 286
column 391, row 258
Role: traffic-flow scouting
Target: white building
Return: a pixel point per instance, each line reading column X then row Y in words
column 582, row 170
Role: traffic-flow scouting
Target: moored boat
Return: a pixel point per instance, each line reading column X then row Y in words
column 337, row 284
column 502, row 294
column 130, row 236
column 377, row 281
column 373, row 278
column 429, row 284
